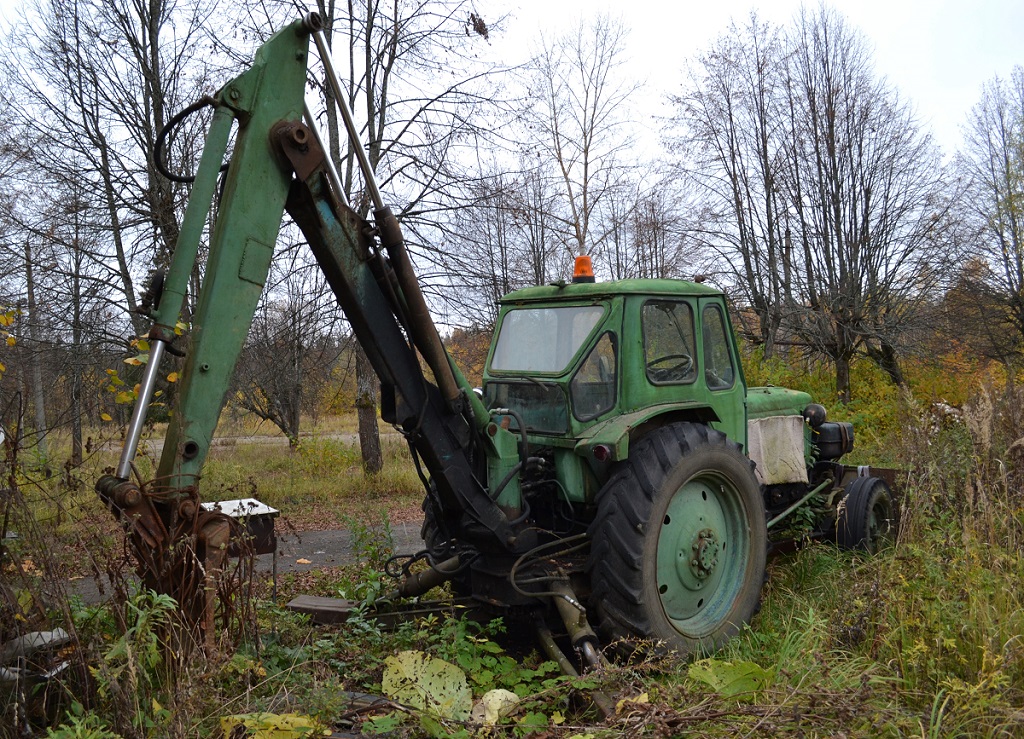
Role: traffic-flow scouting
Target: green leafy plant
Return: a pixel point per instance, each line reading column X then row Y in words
column 485, row 662
column 80, row 724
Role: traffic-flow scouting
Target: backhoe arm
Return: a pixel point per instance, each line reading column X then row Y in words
column 277, row 160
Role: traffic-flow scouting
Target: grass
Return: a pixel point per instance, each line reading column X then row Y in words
column 924, row 639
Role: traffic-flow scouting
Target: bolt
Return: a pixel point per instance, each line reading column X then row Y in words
column 693, row 562
column 234, row 94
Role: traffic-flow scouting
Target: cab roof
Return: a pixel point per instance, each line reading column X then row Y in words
column 596, row 290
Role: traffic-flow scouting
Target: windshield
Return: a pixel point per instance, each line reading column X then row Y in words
column 543, row 339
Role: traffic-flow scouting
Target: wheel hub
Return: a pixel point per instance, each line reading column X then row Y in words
column 705, row 550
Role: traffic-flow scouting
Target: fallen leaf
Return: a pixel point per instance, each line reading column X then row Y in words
column 303, row 561
column 428, row 683
column 493, row 705
column 271, row 726
column 623, row 704
column 731, row 679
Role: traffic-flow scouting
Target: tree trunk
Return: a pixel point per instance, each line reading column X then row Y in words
column 843, row 379
column 76, row 365
column 366, row 409
column 885, row 357
column 38, row 400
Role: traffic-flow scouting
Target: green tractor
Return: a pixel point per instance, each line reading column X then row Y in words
column 641, row 433
column 615, row 468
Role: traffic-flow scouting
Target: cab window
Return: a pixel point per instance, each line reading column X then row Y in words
column 593, row 387
column 669, row 342
column 543, row 339
column 718, row 367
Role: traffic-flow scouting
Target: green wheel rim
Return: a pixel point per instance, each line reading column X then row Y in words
column 703, row 554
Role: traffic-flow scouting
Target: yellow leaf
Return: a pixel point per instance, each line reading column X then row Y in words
column 6, row 319
column 105, row 417
column 143, row 345
column 623, row 704
column 272, row 726
column 11, row 341
column 3, row 367
column 111, row 372
column 173, row 377
column 158, row 393
column 133, row 361
column 303, row 561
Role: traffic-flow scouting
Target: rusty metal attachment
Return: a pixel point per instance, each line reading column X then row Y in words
column 299, row 146
column 180, row 548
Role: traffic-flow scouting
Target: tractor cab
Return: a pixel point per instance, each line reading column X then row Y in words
column 568, row 360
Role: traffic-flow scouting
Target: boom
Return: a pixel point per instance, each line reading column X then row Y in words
column 278, row 163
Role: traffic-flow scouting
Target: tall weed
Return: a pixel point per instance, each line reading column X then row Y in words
column 956, row 611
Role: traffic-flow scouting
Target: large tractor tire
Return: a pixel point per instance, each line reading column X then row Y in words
column 866, row 519
column 679, row 542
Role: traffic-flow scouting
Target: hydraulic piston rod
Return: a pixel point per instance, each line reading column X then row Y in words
column 421, row 325
column 134, row 433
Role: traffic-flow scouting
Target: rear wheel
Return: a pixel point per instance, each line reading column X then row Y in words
column 865, row 520
column 679, row 541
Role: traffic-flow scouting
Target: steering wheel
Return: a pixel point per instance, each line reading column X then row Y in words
column 671, row 366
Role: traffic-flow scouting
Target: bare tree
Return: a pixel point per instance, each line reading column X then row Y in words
column 502, row 242
column 97, row 80
column 292, row 345
column 823, row 193
column 864, row 185
column 732, row 137
column 993, row 159
column 416, row 120
column 580, row 118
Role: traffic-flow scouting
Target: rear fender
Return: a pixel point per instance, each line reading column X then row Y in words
column 616, row 433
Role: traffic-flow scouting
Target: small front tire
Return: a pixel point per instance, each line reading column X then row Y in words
column 865, row 520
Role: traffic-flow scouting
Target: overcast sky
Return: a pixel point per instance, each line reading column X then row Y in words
column 938, row 53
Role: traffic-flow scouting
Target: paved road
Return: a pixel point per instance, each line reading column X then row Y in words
column 315, row 549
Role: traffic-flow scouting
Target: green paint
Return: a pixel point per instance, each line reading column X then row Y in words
column 703, row 542
column 544, row 386
column 248, row 221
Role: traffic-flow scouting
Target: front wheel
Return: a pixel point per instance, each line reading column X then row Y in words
column 679, row 541
column 865, row 520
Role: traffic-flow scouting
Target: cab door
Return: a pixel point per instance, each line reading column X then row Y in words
column 720, row 371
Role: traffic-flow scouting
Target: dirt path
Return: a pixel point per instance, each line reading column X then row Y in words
column 155, row 447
